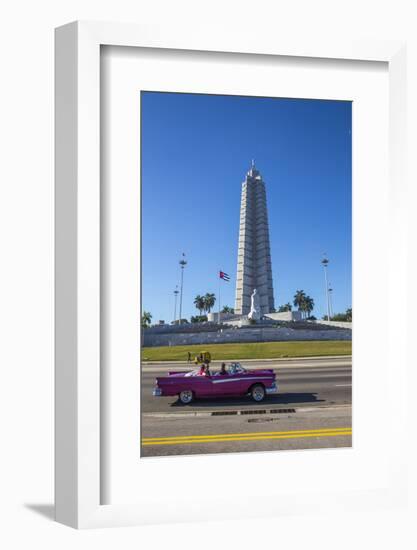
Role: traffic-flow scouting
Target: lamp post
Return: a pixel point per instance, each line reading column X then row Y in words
column 331, row 299
column 325, row 263
column 182, row 263
column 176, row 292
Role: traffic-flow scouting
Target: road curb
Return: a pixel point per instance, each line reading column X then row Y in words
column 245, row 412
column 300, row 358
column 162, row 368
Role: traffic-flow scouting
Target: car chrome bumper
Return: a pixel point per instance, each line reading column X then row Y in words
column 157, row 392
column 272, row 389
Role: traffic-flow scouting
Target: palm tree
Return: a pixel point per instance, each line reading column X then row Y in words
column 299, row 298
column 285, row 307
column 308, row 305
column 227, row 309
column 146, row 319
column 199, row 303
column 209, row 301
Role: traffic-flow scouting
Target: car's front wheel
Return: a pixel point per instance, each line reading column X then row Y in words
column 257, row 392
column 186, row 396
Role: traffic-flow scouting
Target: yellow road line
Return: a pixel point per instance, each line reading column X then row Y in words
column 264, row 438
column 240, row 434
column 257, row 436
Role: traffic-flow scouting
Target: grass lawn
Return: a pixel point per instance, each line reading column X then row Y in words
column 262, row 350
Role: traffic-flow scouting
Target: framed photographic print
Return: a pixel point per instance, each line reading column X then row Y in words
column 260, row 375
column 222, row 209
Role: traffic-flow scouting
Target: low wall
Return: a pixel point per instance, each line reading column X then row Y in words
column 338, row 324
column 282, row 334
column 185, row 328
column 234, row 319
column 285, row 316
column 213, row 317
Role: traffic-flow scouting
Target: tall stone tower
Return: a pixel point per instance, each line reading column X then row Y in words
column 254, row 256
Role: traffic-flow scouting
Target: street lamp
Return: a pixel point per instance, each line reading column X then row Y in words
column 331, row 299
column 325, row 263
column 182, row 263
column 176, row 292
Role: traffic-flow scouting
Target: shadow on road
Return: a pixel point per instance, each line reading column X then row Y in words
column 281, row 399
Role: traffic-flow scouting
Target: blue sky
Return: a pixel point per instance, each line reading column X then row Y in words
column 196, row 150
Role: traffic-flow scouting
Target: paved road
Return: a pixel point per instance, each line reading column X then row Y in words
column 313, row 382
column 311, row 410
column 307, row 428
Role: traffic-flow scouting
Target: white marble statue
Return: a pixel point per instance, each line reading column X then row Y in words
column 255, row 309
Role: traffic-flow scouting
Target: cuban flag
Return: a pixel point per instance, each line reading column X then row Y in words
column 224, row 276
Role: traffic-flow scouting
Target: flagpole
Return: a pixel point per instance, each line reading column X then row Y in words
column 219, row 298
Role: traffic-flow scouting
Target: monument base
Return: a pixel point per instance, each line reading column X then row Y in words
column 284, row 316
column 215, row 317
column 242, row 320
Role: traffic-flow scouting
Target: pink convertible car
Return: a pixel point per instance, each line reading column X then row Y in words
column 237, row 381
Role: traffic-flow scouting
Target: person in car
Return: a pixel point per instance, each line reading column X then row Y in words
column 202, row 371
column 223, row 369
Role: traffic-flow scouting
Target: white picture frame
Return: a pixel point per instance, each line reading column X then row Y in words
column 78, row 259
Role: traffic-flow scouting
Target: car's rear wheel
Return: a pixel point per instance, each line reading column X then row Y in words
column 257, row 392
column 186, row 396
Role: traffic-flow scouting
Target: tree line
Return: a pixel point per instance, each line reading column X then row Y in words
column 302, row 301
column 204, row 304
column 346, row 317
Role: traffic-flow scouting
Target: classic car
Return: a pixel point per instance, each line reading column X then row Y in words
column 235, row 381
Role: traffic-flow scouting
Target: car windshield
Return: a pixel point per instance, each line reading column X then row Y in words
column 193, row 373
column 236, row 368
column 233, row 368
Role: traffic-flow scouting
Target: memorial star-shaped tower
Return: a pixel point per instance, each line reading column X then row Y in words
column 254, row 255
